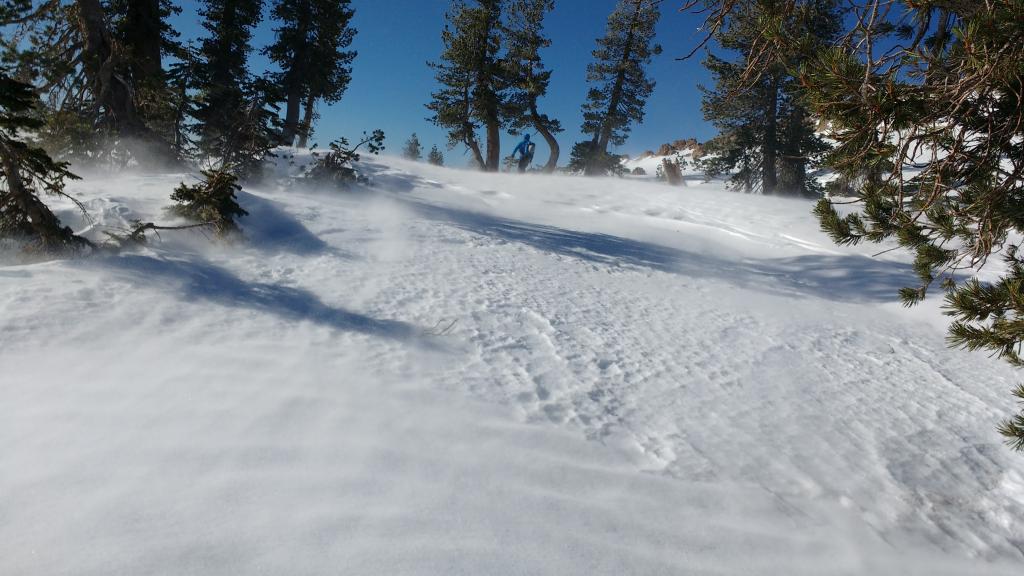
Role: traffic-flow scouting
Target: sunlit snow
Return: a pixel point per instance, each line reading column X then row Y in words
column 459, row 373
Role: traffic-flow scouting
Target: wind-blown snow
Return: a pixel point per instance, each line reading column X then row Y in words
column 460, row 373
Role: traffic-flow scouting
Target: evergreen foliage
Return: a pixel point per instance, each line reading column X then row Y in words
column 930, row 142
column 435, row 156
column 26, row 172
column 89, row 73
column 257, row 131
column 211, row 201
column 526, row 74
column 618, row 78
column 584, row 157
column 147, row 42
column 413, row 149
column 474, row 86
column 231, row 105
column 767, row 137
column 310, row 47
column 336, row 167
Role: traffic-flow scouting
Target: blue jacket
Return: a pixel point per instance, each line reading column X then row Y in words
column 523, row 148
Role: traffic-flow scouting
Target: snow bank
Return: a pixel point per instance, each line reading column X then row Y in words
column 493, row 374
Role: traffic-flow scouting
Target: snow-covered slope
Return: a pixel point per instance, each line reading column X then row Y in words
column 462, row 373
column 649, row 165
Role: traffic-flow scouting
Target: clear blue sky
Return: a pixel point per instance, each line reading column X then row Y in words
column 391, row 82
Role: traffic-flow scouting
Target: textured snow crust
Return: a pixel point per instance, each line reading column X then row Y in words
column 457, row 373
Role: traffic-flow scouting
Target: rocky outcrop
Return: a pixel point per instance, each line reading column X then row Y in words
column 691, row 144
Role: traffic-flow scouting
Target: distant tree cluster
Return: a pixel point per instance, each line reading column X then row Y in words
column 110, row 83
column 492, row 78
column 118, row 86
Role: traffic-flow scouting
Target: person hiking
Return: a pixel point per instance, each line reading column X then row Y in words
column 525, row 150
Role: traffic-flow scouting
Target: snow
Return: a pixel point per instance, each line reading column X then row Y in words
column 650, row 165
column 462, row 373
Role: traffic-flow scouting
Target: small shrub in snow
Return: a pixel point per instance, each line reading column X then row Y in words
column 413, row 149
column 211, row 201
column 638, row 171
column 435, row 157
column 336, row 167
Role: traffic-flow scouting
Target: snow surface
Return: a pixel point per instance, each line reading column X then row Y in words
column 460, row 373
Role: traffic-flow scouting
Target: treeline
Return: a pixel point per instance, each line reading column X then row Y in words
column 117, row 85
column 492, row 78
column 110, row 83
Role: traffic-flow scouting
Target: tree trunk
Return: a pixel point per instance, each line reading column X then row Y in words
column 792, row 177
column 306, row 128
column 100, row 62
column 769, row 150
column 538, row 123
column 474, row 147
column 291, row 117
column 295, row 82
column 142, row 36
column 493, row 144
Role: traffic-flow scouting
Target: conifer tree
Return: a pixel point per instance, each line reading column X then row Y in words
column 105, row 66
column 26, row 172
column 211, row 202
column 147, row 42
column 618, row 78
column 528, row 78
column 310, row 48
column 930, row 139
column 413, row 150
column 73, row 54
column 473, row 81
column 142, row 31
column 766, row 134
column 228, row 99
column 583, row 157
column 435, row 157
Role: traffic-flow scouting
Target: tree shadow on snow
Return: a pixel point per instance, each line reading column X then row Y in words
column 201, row 280
column 846, row 278
column 269, row 227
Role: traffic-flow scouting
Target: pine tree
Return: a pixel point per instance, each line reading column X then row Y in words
column 148, row 42
column 473, row 79
column 583, row 157
column 211, row 202
column 26, row 172
column 310, row 48
column 619, row 83
column 73, row 53
column 528, row 78
column 141, row 30
column 435, row 157
column 413, row 150
column 947, row 105
column 227, row 98
column 766, row 134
